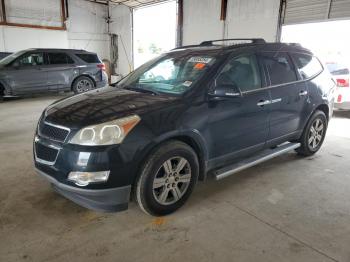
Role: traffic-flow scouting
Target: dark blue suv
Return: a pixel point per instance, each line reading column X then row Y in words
column 192, row 112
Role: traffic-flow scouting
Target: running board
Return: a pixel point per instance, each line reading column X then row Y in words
column 254, row 160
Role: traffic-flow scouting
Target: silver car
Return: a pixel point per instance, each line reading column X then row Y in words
column 50, row 70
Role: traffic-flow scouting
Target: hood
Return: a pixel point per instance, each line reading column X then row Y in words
column 102, row 105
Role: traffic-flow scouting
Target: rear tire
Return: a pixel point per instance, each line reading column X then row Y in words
column 82, row 84
column 167, row 178
column 313, row 134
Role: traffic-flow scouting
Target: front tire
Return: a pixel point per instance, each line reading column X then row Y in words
column 167, row 179
column 313, row 134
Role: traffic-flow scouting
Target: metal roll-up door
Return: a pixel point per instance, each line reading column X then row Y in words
column 304, row 11
column 340, row 9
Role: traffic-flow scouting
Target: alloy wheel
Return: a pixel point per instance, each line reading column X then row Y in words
column 316, row 133
column 172, row 180
column 84, row 85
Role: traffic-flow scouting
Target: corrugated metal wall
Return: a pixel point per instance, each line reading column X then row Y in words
column 303, row 11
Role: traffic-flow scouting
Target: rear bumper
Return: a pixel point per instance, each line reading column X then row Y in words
column 105, row 200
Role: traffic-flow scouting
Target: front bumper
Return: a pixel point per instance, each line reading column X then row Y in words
column 105, row 200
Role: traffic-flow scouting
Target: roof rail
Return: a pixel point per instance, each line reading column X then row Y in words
column 254, row 41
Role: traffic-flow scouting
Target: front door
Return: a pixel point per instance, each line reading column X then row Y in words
column 26, row 75
column 288, row 96
column 239, row 125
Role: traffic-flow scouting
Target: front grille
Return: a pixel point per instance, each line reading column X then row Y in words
column 45, row 154
column 53, row 132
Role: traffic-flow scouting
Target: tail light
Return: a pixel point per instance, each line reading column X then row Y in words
column 339, row 98
column 343, row 82
column 102, row 67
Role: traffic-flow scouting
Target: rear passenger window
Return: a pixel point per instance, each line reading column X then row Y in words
column 242, row 72
column 59, row 59
column 280, row 68
column 89, row 58
column 308, row 65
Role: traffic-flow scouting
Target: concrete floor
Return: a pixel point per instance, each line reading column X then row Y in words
column 287, row 209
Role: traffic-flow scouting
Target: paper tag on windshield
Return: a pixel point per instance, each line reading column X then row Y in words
column 187, row 83
column 199, row 59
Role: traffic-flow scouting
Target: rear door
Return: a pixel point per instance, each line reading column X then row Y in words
column 61, row 71
column 26, row 74
column 289, row 96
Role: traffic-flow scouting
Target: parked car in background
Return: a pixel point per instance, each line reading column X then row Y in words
column 35, row 71
column 192, row 112
column 341, row 75
column 4, row 54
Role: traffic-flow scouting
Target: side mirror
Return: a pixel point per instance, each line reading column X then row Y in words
column 225, row 91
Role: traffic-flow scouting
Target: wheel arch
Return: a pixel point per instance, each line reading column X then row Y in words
column 324, row 108
column 190, row 138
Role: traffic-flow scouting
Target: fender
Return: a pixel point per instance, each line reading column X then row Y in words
column 193, row 134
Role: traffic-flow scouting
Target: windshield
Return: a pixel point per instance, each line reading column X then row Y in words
column 8, row 59
column 171, row 74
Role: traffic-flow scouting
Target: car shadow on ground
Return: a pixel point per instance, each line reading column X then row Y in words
column 341, row 114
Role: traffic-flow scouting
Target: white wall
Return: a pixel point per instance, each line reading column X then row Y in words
column 201, row 21
column 245, row 18
column 121, row 25
column 86, row 29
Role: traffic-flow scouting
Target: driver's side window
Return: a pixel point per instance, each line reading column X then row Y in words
column 30, row 59
column 241, row 72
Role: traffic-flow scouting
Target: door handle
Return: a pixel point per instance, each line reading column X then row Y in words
column 261, row 103
column 303, row 93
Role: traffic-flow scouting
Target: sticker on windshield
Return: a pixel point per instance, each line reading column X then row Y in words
column 199, row 59
column 199, row 66
column 187, row 83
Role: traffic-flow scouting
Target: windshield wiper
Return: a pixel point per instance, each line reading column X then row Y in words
column 143, row 90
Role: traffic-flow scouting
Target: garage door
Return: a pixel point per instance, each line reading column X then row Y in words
column 302, row 11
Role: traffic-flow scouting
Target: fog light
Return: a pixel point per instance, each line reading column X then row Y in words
column 85, row 178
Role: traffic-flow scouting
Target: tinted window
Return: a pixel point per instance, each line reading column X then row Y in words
column 31, row 59
column 242, row 72
column 280, row 68
column 308, row 66
column 89, row 58
column 59, row 59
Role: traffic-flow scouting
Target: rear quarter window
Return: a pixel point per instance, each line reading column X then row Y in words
column 308, row 66
column 89, row 58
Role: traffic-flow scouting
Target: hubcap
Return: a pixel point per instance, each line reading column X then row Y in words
column 84, row 85
column 316, row 133
column 172, row 180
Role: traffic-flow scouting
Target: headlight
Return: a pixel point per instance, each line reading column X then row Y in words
column 108, row 133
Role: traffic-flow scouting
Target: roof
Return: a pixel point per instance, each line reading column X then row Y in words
column 60, row 49
column 261, row 46
column 131, row 3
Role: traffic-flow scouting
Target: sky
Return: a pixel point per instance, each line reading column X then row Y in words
column 154, row 25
